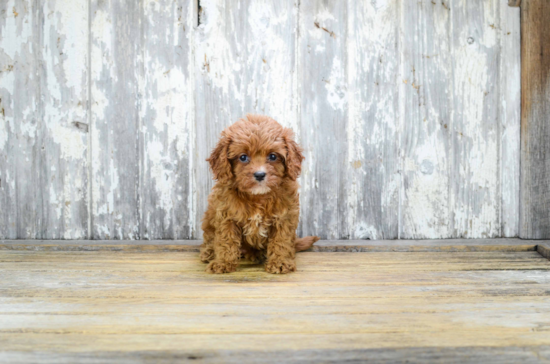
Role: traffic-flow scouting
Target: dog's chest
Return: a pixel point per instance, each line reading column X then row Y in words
column 256, row 230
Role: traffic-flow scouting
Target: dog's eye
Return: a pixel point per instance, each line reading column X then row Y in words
column 272, row 157
column 243, row 158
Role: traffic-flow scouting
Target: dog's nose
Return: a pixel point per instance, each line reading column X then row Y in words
column 259, row 176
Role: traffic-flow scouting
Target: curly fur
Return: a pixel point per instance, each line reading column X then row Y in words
column 248, row 218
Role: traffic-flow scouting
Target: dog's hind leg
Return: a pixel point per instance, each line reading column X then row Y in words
column 207, row 251
column 305, row 243
column 250, row 254
column 209, row 228
column 207, row 247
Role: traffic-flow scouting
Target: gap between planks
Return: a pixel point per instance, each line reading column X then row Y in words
column 351, row 246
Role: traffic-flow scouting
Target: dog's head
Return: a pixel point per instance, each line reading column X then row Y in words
column 256, row 154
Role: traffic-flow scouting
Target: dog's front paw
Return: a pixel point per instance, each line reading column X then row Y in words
column 221, row 267
column 207, row 254
column 280, row 266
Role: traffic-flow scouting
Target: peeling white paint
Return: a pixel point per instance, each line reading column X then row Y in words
column 101, row 33
column 18, row 28
column 364, row 231
column 167, row 118
column 191, row 195
column 372, row 120
column 460, row 171
column 3, row 133
column 355, row 135
column 336, row 86
column 269, row 62
column 216, row 56
column 510, row 86
column 71, row 141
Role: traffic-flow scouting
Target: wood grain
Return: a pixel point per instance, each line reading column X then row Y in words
column 426, row 110
column 435, row 354
column 20, row 215
column 535, row 131
column 139, row 306
column 44, row 120
column 475, row 127
column 410, row 128
column 115, row 51
column 167, row 128
column 371, row 178
column 544, row 250
column 64, row 127
column 322, row 62
column 509, row 113
column 439, row 186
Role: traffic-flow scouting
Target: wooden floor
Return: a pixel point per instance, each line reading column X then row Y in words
column 161, row 307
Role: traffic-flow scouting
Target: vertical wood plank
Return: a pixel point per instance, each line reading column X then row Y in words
column 63, row 132
column 115, row 61
column 426, row 108
column 371, row 176
column 535, row 111
column 43, row 121
column 323, row 115
column 244, row 62
column 167, row 113
column 475, row 128
column 510, row 117
column 20, row 214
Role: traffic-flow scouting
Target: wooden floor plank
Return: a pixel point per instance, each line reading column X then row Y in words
column 442, row 245
column 261, row 323
column 544, row 250
column 106, row 307
column 131, row 343
column 102, row 306
column 91, row 278
column 452, row 355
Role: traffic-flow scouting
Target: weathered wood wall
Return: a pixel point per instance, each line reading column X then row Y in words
column 408, row 112
column 535, row 120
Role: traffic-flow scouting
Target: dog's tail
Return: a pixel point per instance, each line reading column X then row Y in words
column 305, row 243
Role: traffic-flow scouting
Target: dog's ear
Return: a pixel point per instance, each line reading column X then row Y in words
column 219, row 160
column 294, row 156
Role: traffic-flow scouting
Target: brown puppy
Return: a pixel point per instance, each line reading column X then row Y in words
column 253, row 209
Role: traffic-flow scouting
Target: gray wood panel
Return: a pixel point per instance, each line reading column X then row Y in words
column 509, row 113
column 426, row 109
column 535, row 114
column 244, row 63
column 64, row 127
column 43, row 121
column 371, row 176
column 19, row 94
column 474, row 126
column 408, row 113
column 167, row 120
column 322, row 72
column 115, row 53
column 459, row 184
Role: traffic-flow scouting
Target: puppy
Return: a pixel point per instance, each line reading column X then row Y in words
column 253, row 209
